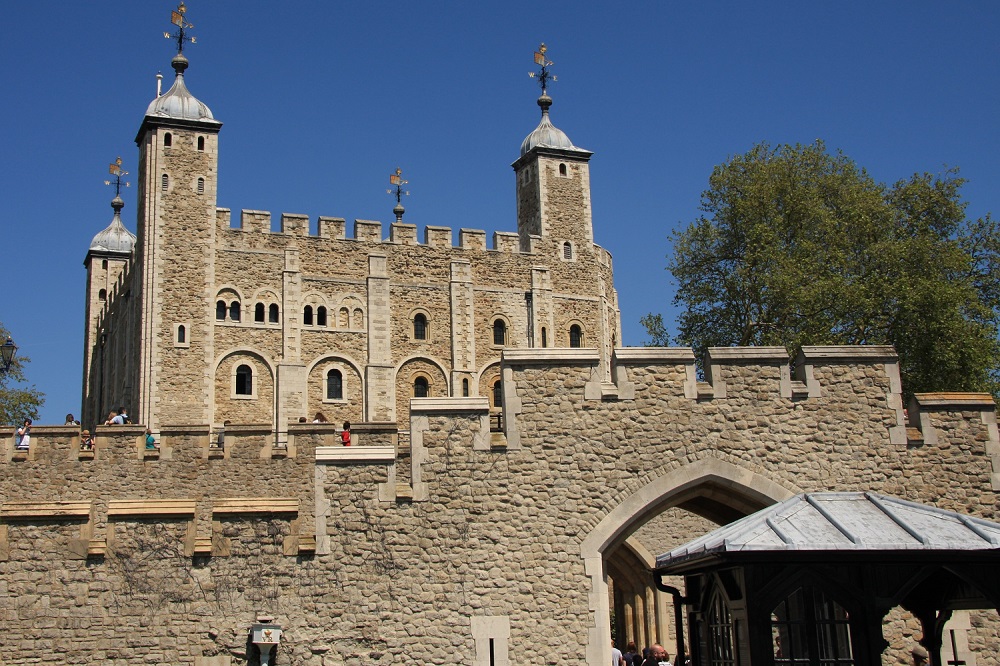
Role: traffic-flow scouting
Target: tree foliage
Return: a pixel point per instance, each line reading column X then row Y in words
column 797, row 246
column 17, row 403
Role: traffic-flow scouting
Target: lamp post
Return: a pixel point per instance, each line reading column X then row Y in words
column 7, row 351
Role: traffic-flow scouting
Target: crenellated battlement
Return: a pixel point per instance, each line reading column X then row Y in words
column 294, row 225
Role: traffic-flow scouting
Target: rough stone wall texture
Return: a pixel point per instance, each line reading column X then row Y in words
column 498, row 533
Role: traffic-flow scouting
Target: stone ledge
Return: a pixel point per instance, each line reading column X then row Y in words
column 27, row 510
column 355, row 454
column 165, row 507
column 173, row 430
column 766, row 355
column 654, row 354
column 954, row 400
column 553, row 355
column 846, row 353
column 255, row 505
column 449, row 405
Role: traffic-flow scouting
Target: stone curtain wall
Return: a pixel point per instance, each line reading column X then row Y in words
column 129, row 559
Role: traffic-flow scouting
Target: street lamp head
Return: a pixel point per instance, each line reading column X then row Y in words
column 7, row 351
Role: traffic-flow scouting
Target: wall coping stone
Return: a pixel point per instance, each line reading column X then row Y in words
column 186, row 429
column 542, row 356
column 147, row 507
column 654, row 354
column 22, row 510
column 954, row 400
column 355, row 454
column 255, row 505
column 767, row 355
column 449, row 405
column 845, row 353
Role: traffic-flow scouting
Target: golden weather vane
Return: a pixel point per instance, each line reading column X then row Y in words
column 116, row 170
column 397, row 180
column 177, row 18
column 544, row 76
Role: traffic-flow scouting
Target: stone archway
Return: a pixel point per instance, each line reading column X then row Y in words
column 714, row 488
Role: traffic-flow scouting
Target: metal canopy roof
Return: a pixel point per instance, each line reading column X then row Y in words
column 843, row 522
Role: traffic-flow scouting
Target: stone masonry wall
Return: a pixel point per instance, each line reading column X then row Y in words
column 174, row 553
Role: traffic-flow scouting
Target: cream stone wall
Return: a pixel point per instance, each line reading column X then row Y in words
column 387, row 554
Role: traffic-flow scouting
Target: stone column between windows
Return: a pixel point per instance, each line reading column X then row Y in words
column 463, row 326
column 290, row 379
column 380, row 392
column 541, row 298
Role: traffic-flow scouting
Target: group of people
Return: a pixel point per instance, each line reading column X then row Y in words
column 119, row 417
column 345, row 434
column 654, row 655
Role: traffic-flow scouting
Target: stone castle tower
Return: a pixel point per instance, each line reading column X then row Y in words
column 204, row 322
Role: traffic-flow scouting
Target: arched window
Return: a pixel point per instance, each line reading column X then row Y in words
column 810, row 629
column 567, row 250
column 164, row 182
column 103, row 294
column 499, row 332
column 334, row 385
column 258, row 312
column 234, row 310
column 344, row 315
column 575, row 336
column 562, row 169
column 307, row 315
column 419, row 326
column 545, row 341
column 201, row 143
column 168, row 139
column 321, row 316
column 498, row 394
column 244, row 380
column 721, row 646
column 358, row 321
column 104, row 264
column 272, row 313
column 220, row 310
column 421, row 388
column 465, row 388
column 181, row 334
column 201, row 186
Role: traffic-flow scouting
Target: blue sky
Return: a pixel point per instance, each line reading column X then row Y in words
column 320, row 101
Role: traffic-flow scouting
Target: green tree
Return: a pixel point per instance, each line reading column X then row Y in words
column 16, row 403
column 797, row 246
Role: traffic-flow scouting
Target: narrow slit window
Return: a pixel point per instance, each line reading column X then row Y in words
column 244, row 380
column 272, row 313
column 168, row 139
column 465, row 388
column 562, row 169
column 499, row 332
column 307, row 315
column 545, row 342
column 181, row 334
column 220, row 310
column 567, row 250
column 334, row 385
column 164, row 182
column 201, row 143
column 575, row 336
column 258, row 312
column 201, row 186
column 234, row 310
column 497, row 394
column 419, row 327
column 321, row 316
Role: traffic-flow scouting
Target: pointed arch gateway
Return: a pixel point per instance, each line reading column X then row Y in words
column 710, row 487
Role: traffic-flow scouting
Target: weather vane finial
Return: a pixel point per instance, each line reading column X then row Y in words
column 116, row 170
column 177, row 18
column 543, row 74
column 396, row 179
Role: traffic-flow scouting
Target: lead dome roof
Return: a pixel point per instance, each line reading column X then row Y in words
column 115, row 238
column 546, row 135
column 178, row 102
